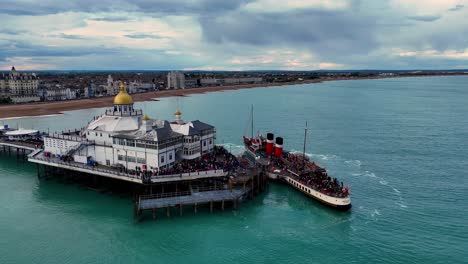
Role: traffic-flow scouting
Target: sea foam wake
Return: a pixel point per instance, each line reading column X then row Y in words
column 354, row 167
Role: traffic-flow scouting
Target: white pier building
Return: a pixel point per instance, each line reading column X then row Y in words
column 124, row 137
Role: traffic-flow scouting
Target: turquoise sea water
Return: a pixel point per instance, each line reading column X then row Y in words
column 400, row 144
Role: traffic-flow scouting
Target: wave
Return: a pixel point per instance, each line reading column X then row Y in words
column 355, row 163
column 316, row 156
column 383, row 182
column 233, row 148
column 366, row 174
column 402, row 205
column 375, row 213
column 329, row 157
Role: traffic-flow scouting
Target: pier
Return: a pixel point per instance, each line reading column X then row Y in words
column 160, row 163
column 20, row 149
column 212, row 188
column 232, row 192
column 194, row 199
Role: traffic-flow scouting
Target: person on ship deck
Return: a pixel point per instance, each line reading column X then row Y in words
column 317, row 179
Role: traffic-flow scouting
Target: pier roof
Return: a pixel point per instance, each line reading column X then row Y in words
column 191, row 128
column 115, row 123
column 21, row 132
column 160, row 132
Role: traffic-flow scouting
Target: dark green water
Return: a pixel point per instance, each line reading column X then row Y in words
column 400, row 144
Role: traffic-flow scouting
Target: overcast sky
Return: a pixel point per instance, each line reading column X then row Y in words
column 233, row 35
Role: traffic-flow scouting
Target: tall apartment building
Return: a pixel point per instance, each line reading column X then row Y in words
column 113, row 87
column 175, row 80
column 20, row 87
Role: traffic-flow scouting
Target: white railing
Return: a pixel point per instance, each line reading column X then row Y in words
column 209, row 173
column 67, row 137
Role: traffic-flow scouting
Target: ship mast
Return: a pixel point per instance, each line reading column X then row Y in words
column 252, row 120
column 304, row 149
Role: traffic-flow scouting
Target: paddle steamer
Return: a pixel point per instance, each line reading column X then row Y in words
column 297, row 170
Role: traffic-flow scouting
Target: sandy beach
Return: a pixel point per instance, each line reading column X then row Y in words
column 52, row 108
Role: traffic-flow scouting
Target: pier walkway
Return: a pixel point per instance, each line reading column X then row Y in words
column 147, row 202
column 39, row 158
column 18, row 145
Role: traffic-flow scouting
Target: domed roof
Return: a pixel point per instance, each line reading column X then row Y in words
column 146, row 118
column 123, row 98
column 178, row 112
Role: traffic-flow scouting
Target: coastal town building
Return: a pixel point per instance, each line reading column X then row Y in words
column 19, row 86
column 190, row 83
column 139, row 87
column 59, row 93
column 175, row 80
column 112, row 86
column 230, row 81
column 90, row 91
column 124, row 136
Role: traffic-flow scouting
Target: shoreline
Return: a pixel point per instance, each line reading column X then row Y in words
column 58, row 107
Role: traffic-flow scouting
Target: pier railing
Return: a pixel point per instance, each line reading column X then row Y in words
column 182, row 193
column 210, row 173
column 68, row 137
column 207, row 173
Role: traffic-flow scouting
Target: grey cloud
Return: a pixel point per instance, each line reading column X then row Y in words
column 23, row 49
column 12, row 31
column 456, row 8
column 68, row 36
column 44, row 7
column 333, row 33
column 426, row 18
column 143, row 36
column 112, row 19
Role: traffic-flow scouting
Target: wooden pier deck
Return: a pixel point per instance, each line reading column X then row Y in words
column 147, row 202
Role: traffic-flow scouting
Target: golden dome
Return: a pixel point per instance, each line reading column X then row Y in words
column 145, row 117
column 123, row 98
column 178, row 112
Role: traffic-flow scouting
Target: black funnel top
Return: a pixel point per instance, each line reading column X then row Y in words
column 270, row 136
column 279, row 140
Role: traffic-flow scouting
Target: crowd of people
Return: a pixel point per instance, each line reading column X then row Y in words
column 320, row 181
column 219, row 159
column 311, row 175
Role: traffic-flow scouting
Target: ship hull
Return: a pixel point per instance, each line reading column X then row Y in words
column 338, row 203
